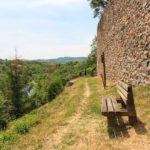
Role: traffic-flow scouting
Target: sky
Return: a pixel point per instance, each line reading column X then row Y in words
column 44, row 29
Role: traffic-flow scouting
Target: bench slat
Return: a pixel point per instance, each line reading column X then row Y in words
column 122, row 112
column 122, row 90
column 124, row 98
column 115, row 104
column 124, row 85
column 104, row 105
column 109, row 105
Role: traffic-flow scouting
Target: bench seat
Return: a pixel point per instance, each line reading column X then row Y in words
column 111, row 105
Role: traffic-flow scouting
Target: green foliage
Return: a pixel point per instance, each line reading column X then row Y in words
column 91, row 62
column 24, row 125
column 69, row 71
column 22, row 128
column 54, row 89
column 4, row 113
column 6, row 138
column 19, row 127
column 18, row 81
column 98, row 6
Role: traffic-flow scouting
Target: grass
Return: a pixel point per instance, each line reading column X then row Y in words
column 19, row 127
column 46, row 120
column 94, row 99
column 142, row 101
column 58, row 111
column 69, row 139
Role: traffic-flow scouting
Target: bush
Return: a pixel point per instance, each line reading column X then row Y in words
column 22, row 128
column 6, row 138
column 24, row 125
column 55, row 88
column 19, row 127
column 3, row 124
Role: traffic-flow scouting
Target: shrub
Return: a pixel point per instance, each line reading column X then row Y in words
column 54, row 89
column 24, row 125
column 6, row 138
column 22, row 128
column 19, row 127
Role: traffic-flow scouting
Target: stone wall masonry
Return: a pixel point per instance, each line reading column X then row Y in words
column 124, row 36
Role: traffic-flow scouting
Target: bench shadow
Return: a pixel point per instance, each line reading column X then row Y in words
column 139, row 127
column 118, row 128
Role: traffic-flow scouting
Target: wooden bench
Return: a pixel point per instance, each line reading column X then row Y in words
column 122, row 106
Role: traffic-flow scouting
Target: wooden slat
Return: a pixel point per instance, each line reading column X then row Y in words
column 122, row 112
column 122, row 90
column 104, row 105
column 115, row 104
column 109, row 105
column 122, row 96
column 124, row 85
column 118, row 110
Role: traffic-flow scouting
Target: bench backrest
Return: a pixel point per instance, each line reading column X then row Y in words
column 126, row 94
column 124, row 90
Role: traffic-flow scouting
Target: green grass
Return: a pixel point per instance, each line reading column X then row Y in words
column 142, row 92
column 66, row 101
column 94, row 99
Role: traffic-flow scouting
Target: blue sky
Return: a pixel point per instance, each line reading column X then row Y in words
column 46, row 28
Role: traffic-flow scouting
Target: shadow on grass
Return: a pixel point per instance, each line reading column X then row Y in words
column 118, row 128
column 139, row 127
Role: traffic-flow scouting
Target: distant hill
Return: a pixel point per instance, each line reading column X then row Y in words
column 62, row 60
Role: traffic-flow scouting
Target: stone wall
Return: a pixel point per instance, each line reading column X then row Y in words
column 124, row 37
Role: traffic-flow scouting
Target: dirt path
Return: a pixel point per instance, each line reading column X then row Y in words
column 58, row 140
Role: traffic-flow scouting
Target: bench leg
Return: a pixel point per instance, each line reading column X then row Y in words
column 111, row 120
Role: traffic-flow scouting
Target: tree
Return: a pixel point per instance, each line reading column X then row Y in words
column 98, row 6
column 92, row 58
column 91, row 62
column 5, row 92
column 5, row 109
column 18, row 83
